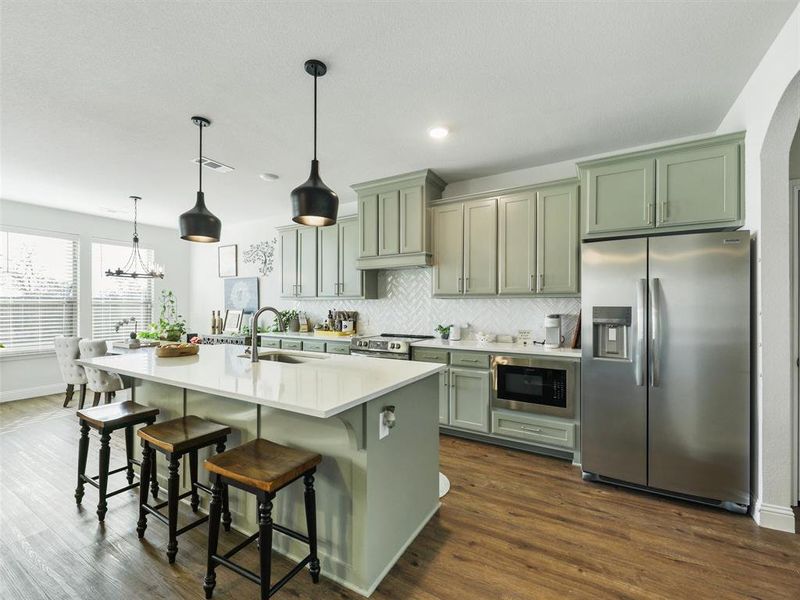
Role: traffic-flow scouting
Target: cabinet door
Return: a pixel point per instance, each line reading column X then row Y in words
column 447, row 223
column 288, row 243
column 620, row 196
column 328, row 261
column 350, row 278
column 389, row 223
column 480, row 247
column 444, row 397
column 698, row 186
column 557, row 245
column 307, row 262
column 412, row 220
column 516, row 243
column 469, row 399
column 368, row 225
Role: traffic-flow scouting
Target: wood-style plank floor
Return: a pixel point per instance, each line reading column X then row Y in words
column 514, row 526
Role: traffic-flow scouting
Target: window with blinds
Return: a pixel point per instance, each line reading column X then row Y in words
column 38, row 290
column 116, row 298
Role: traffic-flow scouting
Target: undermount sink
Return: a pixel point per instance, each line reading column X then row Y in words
column 294, row 358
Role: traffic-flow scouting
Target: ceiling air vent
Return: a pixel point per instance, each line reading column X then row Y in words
column 212, row 164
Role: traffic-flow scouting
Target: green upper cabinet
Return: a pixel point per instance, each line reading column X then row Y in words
column 394, row 222
column 620, row 196
column 287, row 241
column 698, row 186
column 389, row 223
column 447, row 230
column 328, row 261
column 683, row 187
column 516, row 244
column 307, row 262
column 557, row 244
column 321, row 262
column 368, row 225
column 480, row 247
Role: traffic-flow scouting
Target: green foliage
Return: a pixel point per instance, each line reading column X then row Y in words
column 287, row 316
column 443, row 329
column 170, row 325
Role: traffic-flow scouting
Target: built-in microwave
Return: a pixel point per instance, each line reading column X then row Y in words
column 536, row 385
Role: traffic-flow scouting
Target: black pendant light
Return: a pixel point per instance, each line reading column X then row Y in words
column 199, row 224
column 313, row 202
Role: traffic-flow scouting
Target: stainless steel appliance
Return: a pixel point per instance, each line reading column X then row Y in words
column 666, row 365
column 537, row 385
column 386, row 345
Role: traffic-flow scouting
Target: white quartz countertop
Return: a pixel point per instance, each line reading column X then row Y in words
column 307, row 336
column 323, row 386
column 498, row 348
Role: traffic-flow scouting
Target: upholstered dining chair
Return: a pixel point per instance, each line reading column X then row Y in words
column 67, row 353
column 99, row 381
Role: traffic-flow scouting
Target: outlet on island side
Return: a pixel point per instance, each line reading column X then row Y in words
column 386, row 420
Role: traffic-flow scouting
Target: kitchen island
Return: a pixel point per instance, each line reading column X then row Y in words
column 373, row 495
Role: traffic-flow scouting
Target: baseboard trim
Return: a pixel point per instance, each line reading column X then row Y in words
column 32, row 392
column 772, row 516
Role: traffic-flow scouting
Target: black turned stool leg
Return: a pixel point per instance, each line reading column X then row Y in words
column 83, row 396
column 109, row 396
column 147, row 459
column 311, row 524
column 96, row 399
column 172, row 506
column 68, row 395
column 213, row 535
column 195, row 498
column 226, row 513
column 265, row 541
column 105, row 456
column 129, row 454
column 153, row 476
column 83, row 453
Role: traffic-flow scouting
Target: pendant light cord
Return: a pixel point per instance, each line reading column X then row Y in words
column 315, row 115
column 135, row 217
column 200, row 160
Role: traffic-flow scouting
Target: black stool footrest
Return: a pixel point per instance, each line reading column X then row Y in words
column 241, row 546
column 255, row 578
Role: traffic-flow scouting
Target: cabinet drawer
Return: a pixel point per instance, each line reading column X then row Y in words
column 533, row 429
column 291, row 344
column 338, row 348
column 269, row 343
column 314, row 346
column 429, row 355
column 470, row 359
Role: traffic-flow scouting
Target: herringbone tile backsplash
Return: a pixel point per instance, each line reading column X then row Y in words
column 405, row 305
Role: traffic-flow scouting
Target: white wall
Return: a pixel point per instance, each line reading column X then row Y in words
column 769, row 108
column 25, row 377
column 794, row 156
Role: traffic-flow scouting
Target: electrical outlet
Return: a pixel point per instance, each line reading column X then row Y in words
column 383, row 428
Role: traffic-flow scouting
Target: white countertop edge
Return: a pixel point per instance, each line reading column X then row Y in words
column 306, row 335
column 498, row 348
column 322, row 414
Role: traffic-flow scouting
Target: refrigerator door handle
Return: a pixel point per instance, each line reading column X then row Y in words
column 641, row 329
column 655, row 332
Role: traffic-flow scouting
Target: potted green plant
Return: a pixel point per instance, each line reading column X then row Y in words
column 291, row 320
column 443, row 331
column 170, row 325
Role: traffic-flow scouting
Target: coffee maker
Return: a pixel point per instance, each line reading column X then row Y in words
column 552, row 331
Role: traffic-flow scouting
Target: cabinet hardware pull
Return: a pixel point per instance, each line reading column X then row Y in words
column 466, row 284
column 530, row 283
column 540, row 285
column 531, row 429
column 459, row 285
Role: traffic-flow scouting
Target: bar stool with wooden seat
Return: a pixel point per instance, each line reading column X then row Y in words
column 106, row 419
column 175, row 439
column 262, row 468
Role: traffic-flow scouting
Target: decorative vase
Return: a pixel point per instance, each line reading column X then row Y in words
column 294, row 325
column 446, row 335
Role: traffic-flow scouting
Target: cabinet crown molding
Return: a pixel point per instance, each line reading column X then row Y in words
column 429, row 176
column 505, row 191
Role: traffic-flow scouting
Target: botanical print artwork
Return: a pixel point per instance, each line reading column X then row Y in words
column 263, row 255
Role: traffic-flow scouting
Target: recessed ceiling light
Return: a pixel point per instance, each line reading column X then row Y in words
column 438, row 133
column 268, row 176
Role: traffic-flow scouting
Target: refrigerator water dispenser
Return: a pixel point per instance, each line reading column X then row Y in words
column 610, row 325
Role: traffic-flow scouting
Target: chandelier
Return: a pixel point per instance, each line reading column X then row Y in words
column 136, row 268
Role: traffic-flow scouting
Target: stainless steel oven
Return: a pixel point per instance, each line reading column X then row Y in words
column 536, row 385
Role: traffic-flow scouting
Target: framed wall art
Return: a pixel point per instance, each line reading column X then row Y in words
column 227, row 261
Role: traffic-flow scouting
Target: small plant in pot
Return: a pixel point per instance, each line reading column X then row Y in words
column 291, row 320
column 170, row 325
column 444, row 331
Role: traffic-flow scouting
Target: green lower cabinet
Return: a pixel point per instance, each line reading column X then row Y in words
column 444, row 397
column 470, row 392
column 291, row 344
column 698, row 186
column 313, row 346
column 337, row 347
column 265, row 342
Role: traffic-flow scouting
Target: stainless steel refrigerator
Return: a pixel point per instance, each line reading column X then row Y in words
column 665, row 364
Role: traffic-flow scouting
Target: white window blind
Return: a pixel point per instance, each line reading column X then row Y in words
column 38, row 290
column 118, row 298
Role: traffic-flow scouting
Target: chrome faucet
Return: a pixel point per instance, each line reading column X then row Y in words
column 254, row 329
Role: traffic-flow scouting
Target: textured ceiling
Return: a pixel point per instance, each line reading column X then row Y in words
column 96, row 96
